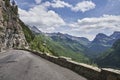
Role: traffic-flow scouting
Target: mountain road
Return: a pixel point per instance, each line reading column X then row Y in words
column 23, row 65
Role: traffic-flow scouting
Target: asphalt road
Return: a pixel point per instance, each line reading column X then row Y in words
column 23, row 65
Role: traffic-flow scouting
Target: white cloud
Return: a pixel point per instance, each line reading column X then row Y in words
column 45, row 20
column 83, row 6
column 60, row 4
column 38, row 1
column 92, row 26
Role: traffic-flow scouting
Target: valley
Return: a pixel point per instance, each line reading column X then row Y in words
column 79, row 49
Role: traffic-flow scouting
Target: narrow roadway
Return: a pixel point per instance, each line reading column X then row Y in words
column 23, row 65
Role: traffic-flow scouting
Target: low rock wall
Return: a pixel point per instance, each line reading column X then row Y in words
column 90, row 72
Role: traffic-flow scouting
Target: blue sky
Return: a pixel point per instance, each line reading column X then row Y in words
column 84, row 18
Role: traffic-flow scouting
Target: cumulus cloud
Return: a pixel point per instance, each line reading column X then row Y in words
column 92, row 26
column 45, row 20
column 83, row 6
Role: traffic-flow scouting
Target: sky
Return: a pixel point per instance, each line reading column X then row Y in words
column 82, row 18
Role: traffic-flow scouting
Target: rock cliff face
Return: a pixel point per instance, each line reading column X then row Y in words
column 11, row 33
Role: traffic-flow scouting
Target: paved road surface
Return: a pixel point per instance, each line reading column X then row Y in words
column 22, row 65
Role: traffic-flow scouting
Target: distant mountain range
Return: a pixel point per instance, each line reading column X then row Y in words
column 92, row 49
column 82, row 40
column 101, row 43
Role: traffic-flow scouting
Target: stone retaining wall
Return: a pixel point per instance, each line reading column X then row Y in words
column 90, row 72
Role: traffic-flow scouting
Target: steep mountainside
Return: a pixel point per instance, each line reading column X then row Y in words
column 111, row 58
column 11, row 28
column 29, row 35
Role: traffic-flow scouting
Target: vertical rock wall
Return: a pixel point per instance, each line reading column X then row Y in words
column 11, row 33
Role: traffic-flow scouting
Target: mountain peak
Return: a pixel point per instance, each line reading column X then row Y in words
column 35, row 30
column 115, row 35
column 101, row 39
column 101, row 35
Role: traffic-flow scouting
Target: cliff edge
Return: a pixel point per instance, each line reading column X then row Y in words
column 11, row 31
